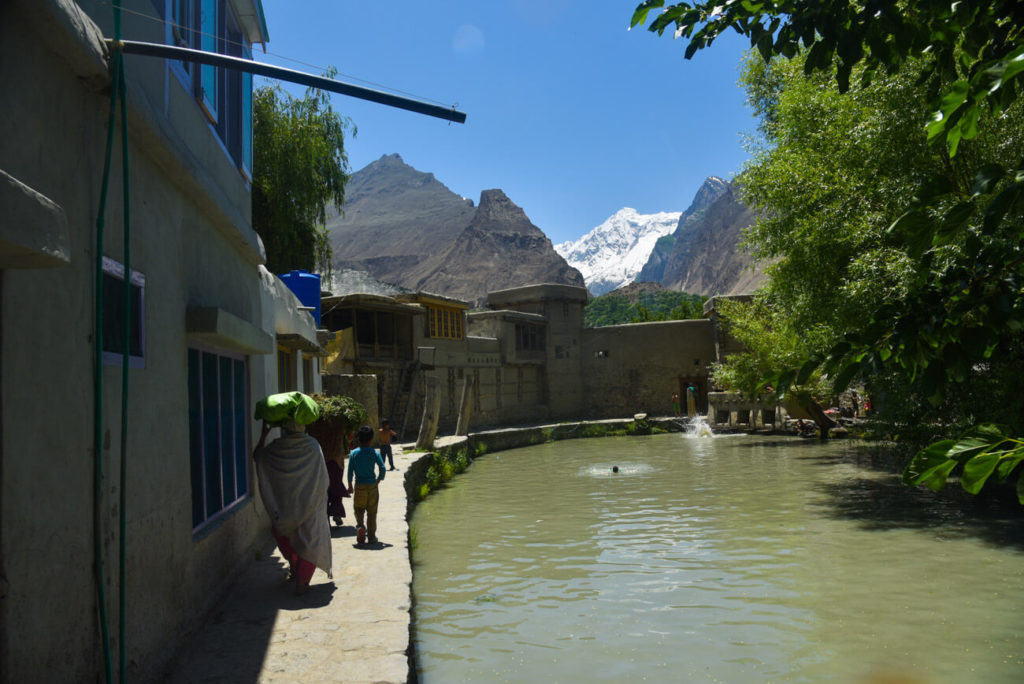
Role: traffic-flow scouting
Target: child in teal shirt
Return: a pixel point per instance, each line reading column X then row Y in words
column 362, row 463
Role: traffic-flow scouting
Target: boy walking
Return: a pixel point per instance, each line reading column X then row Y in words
column 385, row 435
column 363, row 463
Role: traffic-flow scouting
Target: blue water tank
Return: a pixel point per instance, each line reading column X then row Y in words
column 306, row 287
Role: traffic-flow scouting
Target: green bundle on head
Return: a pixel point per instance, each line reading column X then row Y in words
column 279, row 408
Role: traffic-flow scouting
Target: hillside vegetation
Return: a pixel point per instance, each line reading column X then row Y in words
column 616, row 309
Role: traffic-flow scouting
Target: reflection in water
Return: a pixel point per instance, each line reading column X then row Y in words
column 728, row 559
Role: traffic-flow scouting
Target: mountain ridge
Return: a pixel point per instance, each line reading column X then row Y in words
column 405, row 227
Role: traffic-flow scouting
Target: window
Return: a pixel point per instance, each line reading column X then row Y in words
column 529, row 337
column 209, row 35
column 114, row 315
column 307, row 374
column 444, row 323
column 217, row 419
column 285, row 370
column 224, row 95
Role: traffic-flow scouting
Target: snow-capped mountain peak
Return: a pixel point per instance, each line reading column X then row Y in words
column 612, row 254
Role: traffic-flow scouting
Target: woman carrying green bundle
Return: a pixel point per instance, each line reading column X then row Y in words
column 293, row 484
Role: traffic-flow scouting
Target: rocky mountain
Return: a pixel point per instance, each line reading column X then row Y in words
column 705, row 257
column 612, row 254
column 653, row 270
column 499, row 249
column 405, row 227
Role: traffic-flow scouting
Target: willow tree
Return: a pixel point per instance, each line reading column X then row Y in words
column 300, row 169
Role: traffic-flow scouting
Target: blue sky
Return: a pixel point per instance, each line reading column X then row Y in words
column 573, row 116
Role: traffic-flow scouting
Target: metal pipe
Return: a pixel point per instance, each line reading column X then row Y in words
column 134, row 47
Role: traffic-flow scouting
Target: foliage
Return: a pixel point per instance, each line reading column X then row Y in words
column 974, row 50
column 299, row 169
column 983, row 451
column 640, row 426
column 948, row 242
column 339, row 418
column 764, row 327
column 594, row 430
column 444, row 466
column 666, row 305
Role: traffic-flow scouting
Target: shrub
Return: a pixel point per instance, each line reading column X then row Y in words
column 339, row 418
column 639, row 427
column 461, row 460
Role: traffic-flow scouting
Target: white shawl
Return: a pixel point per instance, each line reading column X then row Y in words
column 293, row 484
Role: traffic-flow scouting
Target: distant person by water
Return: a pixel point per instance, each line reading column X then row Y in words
column 384, row 435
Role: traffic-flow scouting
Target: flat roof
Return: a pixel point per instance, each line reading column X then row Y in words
column 366, row 301
column 430, row 298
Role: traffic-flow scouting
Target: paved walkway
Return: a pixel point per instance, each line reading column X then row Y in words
column 352, row 629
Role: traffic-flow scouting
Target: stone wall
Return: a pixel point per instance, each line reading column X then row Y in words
column 637, row 368
column 362, row 388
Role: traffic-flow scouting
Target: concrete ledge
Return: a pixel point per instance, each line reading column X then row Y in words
column 34, row 229
column 224, row 329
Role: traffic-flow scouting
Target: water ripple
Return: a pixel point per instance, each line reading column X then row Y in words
column 711, row 560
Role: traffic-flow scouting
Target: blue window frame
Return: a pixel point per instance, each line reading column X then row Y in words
column 209, row 33
column 218, row 439
column 247, row 118
column 224, row 95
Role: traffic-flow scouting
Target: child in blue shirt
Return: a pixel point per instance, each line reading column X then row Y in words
column 362, row 463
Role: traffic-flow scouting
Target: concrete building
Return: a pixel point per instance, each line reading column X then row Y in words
column 208, row 327
column 527, row 359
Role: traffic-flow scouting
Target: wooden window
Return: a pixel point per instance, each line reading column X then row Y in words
column 285, row 370
column 444, row 323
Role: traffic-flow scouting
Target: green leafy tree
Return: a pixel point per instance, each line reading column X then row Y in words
column 299, row 169
column 613, row 309
column 958, row 228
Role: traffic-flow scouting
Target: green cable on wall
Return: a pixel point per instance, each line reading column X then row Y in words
column 97, row 512
column 118, row 92
column 126, row 347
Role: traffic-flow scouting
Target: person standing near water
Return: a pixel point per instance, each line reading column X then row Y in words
column 691, row 400
column 385, row 434
column 362, row 463
column 676, row 408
